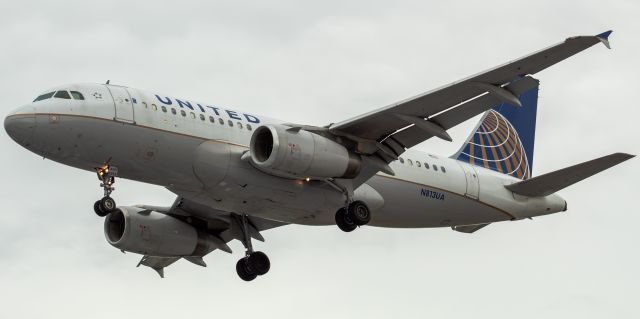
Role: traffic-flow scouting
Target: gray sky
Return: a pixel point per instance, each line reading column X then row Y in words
column 318, row 63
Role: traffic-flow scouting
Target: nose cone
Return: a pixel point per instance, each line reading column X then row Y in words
column 21, row 125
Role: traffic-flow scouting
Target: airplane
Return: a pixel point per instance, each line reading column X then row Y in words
column 237, row 174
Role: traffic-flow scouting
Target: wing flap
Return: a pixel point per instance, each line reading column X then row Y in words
column 550, row 183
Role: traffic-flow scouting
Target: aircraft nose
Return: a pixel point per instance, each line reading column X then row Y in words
column 20, row 125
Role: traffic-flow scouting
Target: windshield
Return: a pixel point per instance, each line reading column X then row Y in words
column 77, row 95
column 61, row 95
column 44, row 96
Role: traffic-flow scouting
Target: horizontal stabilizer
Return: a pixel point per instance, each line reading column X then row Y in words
column 550, row 183
column 469, row 228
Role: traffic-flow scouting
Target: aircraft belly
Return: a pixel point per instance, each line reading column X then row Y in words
column 231, row 184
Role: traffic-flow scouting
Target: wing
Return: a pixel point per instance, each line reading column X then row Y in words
column 225, row 226
column 388, row 131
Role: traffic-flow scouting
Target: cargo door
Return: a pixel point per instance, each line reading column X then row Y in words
column 122, row 103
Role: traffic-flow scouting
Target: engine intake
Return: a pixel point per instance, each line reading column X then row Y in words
column 151, row 233
column 300, row 154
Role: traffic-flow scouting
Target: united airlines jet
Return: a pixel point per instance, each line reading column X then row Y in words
column 237, row 174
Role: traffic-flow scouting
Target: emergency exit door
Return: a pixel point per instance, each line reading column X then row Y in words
column 122, row 103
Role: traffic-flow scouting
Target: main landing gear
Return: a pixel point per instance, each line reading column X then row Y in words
column 107, row 176
column 254, row 263
column 355, row 214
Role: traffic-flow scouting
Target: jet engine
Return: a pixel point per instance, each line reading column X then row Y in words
column 296, row 153
column 148, row 232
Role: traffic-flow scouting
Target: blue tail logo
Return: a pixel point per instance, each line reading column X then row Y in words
column 503, row 140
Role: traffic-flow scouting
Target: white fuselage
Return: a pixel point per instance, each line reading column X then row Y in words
column 197, row 151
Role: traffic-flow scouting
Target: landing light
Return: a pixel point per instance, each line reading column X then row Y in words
column 307, row 179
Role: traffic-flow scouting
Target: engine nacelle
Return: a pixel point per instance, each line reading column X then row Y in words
column 301, row 154
column 151, row 233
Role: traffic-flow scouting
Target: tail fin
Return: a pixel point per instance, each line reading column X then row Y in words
column 503, row 139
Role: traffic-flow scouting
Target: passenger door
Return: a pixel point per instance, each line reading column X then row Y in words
column 122, row 103
column 473, row 183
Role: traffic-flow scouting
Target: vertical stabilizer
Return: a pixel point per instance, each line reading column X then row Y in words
column 503, row 139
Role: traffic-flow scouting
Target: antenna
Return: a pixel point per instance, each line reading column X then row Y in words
column 108, row 81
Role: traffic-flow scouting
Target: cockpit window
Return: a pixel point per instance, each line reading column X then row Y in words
column 78, row 96
column 44, row 96
column 62, row 95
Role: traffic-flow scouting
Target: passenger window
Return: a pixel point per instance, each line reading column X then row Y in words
column 164, row 109
column 202, row 117
column 230, row 123
column 401, row 160
column 143, row 103
column 443, row 170
column 44, row 96
column 221, row 121
column 154, row 107
column 435, row 168
column 62, row 95
column 77, row 95
column 418, row 164
column 183, row 113
column 173, row 111
column 426, row 165
column 239, row 125
column 211, row 119
column 410, row 162
column 193, row 115
column 249, row 127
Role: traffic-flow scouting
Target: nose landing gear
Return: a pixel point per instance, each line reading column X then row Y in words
column 107, row 176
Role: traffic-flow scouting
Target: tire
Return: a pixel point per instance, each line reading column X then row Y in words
column 259, row 263
column 243, row 271
column 359, row 213
column 97, row 207
column 108, row 204
column 344, row 222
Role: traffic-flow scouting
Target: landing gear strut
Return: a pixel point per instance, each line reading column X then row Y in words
column 107, row 176
column 355, row 214
column 254, row 263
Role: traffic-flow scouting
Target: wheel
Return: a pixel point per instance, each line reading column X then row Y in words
column 344, row 222
column 97, row 207
column 108, row 204
column 259, row 263
column 359, row 213
column 244, row 272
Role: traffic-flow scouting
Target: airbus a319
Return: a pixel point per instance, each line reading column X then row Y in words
column 237, row 174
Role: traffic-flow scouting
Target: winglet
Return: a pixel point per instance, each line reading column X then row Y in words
column 604, row 38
